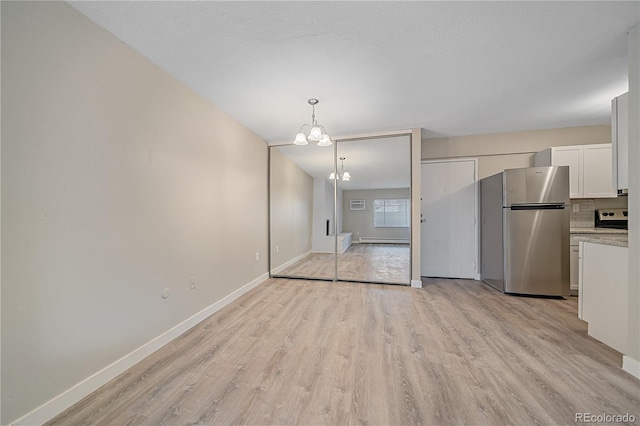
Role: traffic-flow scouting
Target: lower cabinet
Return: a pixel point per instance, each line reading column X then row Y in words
column 575, row 271
column 604, row 293
column 574, row 261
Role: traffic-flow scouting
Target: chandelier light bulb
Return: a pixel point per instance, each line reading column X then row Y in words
column 342, row 174
column 324, row 140
column 315, row 134
column 301, row 139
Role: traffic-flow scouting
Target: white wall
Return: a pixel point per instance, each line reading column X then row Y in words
column 323, row 209
column 631, row 361
column 117, row 182
column 291, row 209
column 360, row 223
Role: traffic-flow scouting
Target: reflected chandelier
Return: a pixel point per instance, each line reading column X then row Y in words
column 342, row 174
column 317, row 134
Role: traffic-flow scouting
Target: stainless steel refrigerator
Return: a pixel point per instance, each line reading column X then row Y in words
column 525, row 244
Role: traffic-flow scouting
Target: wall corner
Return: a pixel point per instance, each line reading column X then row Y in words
column 416, row 156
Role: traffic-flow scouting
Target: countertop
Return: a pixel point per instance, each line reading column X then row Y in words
column 610, row 240
column 592, row 230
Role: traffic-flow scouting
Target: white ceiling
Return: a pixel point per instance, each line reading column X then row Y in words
column 452, row 68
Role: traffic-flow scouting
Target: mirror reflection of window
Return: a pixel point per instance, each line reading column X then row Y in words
column 380, row 232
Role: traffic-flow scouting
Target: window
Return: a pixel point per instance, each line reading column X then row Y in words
column 391, row 213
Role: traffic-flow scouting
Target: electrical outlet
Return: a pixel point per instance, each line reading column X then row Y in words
column 192, row 283
column 257, row 256
column 277, row 249
column 576, row 208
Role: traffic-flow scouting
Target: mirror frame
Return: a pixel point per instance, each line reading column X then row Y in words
column 414, row 136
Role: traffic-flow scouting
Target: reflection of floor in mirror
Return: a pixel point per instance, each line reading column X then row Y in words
column 388, row 263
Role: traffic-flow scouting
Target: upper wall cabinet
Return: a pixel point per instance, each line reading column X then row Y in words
column 620, row 141
column 590, row 168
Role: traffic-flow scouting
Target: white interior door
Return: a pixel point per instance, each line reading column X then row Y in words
column 449, row 230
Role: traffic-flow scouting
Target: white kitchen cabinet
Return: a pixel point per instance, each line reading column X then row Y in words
column 590, row 168
column 574, row 258
column 574, row 267
column 597, row 172
column 620, row 141
column 603, row 298
column 565, row 156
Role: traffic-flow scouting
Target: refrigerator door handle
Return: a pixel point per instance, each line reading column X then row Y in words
column 538, row 207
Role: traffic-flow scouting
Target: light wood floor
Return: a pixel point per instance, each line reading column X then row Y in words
column 299, row 352
column 381, row 263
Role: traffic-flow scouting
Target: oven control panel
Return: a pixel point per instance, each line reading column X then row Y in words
column 612, row 218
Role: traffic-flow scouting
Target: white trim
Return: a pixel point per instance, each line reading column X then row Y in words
column 66, row 399
column 631, row 366
column 374, row 240
column 416, row 283
column 359, row 136
column 290, row 262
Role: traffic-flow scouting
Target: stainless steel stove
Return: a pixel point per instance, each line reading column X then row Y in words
column 612, row 218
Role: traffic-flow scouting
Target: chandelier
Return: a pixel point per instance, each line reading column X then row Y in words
column 342, row 174
column 317, row 134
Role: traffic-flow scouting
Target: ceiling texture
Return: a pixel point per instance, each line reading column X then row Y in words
column 452, row 68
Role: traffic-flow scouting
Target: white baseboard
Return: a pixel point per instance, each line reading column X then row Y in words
column 66, row 399
column 416, row 283
column 631, row 366
column 288, row 263
column 375, row 240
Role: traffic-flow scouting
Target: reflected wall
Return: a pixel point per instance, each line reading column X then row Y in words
column 290, row 211
column 301, row 212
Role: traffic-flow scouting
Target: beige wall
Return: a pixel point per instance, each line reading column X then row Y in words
column 291, row 211
column 360, row 223
column 632, row 358
column 117, row 182
column 496, row 152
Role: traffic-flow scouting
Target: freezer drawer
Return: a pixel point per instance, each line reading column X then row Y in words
column 537, row 251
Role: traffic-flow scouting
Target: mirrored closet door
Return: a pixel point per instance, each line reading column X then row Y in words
column 374, row 193
column 341, row 212
column 301, row 212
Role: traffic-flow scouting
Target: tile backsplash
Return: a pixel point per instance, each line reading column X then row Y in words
column 584, row 218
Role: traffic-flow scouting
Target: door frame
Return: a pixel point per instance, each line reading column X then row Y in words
column 476, row 205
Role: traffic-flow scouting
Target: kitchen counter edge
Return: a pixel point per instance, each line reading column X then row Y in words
column 610, row 240
column 591, row 230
